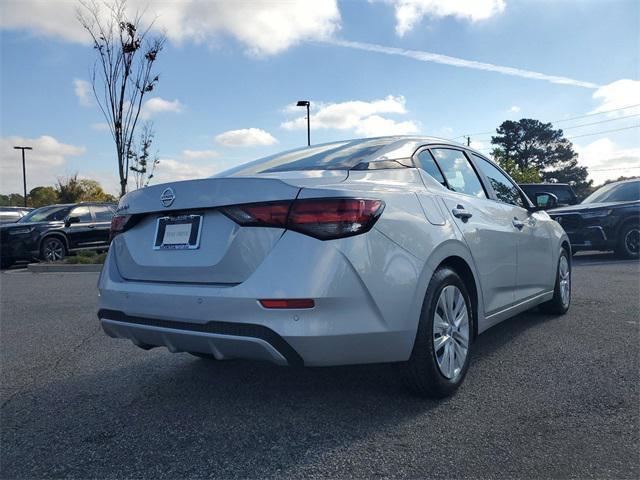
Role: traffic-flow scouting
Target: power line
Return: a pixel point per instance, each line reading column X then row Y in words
column 562, row 120
column 578, row 136
column 596, row 113
column 602, row 132
column 601, row 121
column 610, row 169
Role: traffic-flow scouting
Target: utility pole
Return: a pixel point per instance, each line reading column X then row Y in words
column 24, row 172
column 468, row 141
column 306, row 103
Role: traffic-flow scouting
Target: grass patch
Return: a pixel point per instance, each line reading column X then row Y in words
column 86, row 257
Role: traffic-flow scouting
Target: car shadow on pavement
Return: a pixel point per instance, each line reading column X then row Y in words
column 180, row 416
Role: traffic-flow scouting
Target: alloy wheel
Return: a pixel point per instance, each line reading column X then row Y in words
column 564, row 274
column 632, row 241
column 451, row 332
column 53, row 250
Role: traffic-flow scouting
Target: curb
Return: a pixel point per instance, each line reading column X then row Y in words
column 63, row 268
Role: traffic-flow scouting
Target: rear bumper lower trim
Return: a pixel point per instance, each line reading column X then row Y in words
column 247, row 330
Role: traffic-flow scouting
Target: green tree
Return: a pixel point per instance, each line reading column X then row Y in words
column 92, row 192
column 529, row 143
column 69, row 189
column 12, row 200
column 519, row 174
column 41, row 196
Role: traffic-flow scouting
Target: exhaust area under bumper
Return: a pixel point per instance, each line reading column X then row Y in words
column 223, row 340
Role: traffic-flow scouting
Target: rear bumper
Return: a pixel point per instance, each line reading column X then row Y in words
column 365, row 311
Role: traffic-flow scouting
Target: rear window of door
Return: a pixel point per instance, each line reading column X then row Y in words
column 103, row 214
column 460, row 175
column 505, row 189
column 83, row 214
column 428, row 164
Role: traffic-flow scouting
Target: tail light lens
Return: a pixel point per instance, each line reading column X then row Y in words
column 118, row 224
column 322, row 218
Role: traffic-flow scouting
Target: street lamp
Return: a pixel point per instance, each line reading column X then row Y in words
column 24, row 172
column 306, row 103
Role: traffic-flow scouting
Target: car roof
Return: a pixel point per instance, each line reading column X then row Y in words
column 544, row 184
column 404, row 146
column 77, row 204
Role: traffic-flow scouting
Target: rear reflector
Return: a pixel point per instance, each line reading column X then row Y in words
column 288, row 303
column 322, row 218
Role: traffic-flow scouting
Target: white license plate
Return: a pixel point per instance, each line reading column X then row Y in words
column 178, row 233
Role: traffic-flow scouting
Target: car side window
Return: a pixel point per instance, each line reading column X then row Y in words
column 459, row 173
column 103, row 214
column 428, row 164
column 505, row 189
column 83, row 213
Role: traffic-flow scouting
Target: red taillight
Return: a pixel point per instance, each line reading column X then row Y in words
column 288, row 303
column 272, row 214
column 118, row 223
column 323, row 218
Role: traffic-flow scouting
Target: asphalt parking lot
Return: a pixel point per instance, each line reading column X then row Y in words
column 545, row 398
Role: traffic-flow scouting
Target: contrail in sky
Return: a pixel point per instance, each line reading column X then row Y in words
column 423, row 56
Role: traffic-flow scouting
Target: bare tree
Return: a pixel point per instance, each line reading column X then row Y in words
column 143, row 162
column 122, row 74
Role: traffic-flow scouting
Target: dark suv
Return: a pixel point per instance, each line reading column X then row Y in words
column 563, row 192
column 608, row 219
column 50, row 233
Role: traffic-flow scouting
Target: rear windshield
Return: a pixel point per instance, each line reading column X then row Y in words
column 330, row 156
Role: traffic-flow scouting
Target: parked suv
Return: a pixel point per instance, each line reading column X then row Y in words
column 608, row 219
column 13, row 214
column 563, row 192
column 50, row 233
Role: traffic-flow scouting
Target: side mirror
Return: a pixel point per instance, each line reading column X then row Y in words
column 69, row 220
column 545, row 201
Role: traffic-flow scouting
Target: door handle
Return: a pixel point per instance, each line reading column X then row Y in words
column 461, row 213
column 518, row 224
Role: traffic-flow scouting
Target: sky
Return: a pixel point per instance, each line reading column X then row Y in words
column 232, row 71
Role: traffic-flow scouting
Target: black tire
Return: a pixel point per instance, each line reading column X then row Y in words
column 422, row 372
column 559, row 305
column 629, row 241
column 204, row 356
column 52, row 249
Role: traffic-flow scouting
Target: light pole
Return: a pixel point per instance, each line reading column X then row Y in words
column 306, row 103
column 24, row 172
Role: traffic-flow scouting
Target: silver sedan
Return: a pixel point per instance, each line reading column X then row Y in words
column 392, row 249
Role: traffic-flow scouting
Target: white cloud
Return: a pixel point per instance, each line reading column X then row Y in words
column 423, row 56
column 83, row 91
column 514, row 109
column 171, row 170
column 606, row 161
column 200, row 154
column 44, row 164
column 157, row 105
column 618, row 94
column 410, row 12
column 359, row 116
column 263, row 27
column 245, row 137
